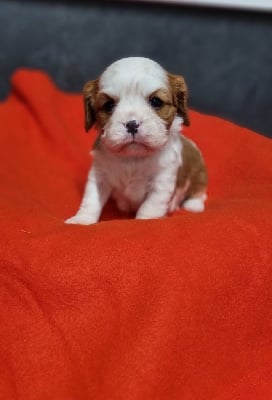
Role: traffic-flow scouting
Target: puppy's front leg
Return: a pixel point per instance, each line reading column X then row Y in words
column 153, row 207
column 157, row 201
column 96, row 194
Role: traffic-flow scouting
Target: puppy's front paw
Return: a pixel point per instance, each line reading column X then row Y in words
column 150, row 213
column 81, row 220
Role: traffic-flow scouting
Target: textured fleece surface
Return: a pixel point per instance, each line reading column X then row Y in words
column 177, row 308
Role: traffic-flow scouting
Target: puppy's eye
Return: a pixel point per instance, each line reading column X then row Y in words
column 155, row 102
column 109, row 106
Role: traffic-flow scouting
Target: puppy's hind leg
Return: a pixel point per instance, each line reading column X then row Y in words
column 195, row 203
column 196, row 196
column 192, row 176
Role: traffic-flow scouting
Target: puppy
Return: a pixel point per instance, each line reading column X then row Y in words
column 140, row 159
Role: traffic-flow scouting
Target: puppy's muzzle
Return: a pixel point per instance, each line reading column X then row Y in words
column 132, row 127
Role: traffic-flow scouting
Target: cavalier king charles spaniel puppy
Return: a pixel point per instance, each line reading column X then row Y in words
column 140, row 158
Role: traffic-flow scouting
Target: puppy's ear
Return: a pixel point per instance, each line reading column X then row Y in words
column 89, row 92
column 180, row 96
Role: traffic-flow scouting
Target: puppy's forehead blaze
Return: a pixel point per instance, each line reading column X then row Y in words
column 139, row 79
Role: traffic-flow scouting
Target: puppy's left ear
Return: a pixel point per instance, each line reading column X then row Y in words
column 180, row 96
column 89, row 92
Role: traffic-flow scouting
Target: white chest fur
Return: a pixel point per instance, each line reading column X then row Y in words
column 133, row 179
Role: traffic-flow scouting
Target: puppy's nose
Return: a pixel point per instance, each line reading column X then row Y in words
column 132, row 127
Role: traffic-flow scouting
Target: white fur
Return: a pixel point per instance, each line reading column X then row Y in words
column 131, row 76
column 137, row 184
column 131, row 81
column 138, row 172
column 195, row 204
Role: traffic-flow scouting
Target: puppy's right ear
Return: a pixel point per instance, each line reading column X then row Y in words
column 89, row 92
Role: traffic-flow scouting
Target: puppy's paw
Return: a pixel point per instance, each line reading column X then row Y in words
column 196, row 204
column 80, row 220
column 150, row 213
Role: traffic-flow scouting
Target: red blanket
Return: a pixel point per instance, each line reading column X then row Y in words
column 178, row 308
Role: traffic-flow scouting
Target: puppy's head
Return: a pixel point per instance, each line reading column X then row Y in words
column 134, row 103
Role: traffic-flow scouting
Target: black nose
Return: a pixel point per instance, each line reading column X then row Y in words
column 132, row 127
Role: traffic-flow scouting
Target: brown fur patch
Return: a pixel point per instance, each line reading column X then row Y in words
column 89, row 95
column 179, row 91
column 102, row 116
column 93, row 105
column 193, row 171
column 167, row 111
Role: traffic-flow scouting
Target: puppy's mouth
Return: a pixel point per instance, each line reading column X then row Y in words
column 134, row 148
column 138, row 144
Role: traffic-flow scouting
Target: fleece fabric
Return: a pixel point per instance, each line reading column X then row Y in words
column 178, row 308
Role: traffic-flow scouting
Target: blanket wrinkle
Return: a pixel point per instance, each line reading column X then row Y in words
column 176, row 308
column 45, row 112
